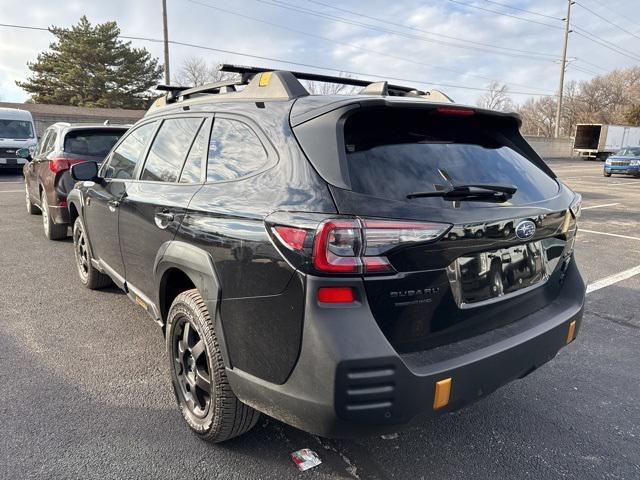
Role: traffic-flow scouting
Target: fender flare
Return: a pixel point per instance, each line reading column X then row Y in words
column 76, row 199
column 198, row 265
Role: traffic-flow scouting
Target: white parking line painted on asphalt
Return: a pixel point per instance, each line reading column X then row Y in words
column 609, row 234
column 11, row 191
column 611, row 279
column 600, row 206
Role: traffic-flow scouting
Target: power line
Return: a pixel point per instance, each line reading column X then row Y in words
column 524, row 10
column 583, row 70
column 608, row 21
column 610, row 10
column 288, row 62
column 468, row 5
column 410, row 27
column 512, row 52
column 592, row 65
column 604, row 43
column 338, row 42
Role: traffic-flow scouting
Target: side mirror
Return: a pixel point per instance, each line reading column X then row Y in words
column 24, row 153
column 84, row 171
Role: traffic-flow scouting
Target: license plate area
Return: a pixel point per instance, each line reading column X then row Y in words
column 494, row 275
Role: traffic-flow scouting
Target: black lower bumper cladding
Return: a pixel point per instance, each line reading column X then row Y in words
column 349, row 381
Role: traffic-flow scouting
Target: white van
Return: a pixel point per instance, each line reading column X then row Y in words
column 17, row 130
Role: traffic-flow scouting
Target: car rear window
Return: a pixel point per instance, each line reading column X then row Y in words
column 94, row 143
column 391, row 154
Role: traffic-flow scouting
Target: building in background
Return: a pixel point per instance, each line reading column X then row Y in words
column 45, row 115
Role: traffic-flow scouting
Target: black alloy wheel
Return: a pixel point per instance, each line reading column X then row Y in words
column 89, row 275
column 191, row 368
column 83, row 261
column 198, row 373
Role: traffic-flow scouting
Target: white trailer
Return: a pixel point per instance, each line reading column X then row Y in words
column 598, row 141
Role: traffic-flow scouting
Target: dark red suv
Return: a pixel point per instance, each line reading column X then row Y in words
column 46, row 175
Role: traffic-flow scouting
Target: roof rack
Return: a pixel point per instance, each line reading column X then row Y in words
column 315, row 77
column 268, row 84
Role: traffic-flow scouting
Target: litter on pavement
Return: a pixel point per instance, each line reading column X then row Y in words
column 305, row 459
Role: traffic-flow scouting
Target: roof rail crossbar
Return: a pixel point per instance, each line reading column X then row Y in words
column 314, row 77
column 173, row 91
column 176, row 92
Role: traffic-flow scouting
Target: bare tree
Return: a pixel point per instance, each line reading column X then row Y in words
column 195, row 72
column 538, row 116
column 608, row 98
column 326, row 88
column 496, row 98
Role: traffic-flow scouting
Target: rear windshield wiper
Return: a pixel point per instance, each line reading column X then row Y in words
column 471, row 192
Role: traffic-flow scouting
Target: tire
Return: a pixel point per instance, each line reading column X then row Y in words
column 606, row 174
column 52, row 230
column 31, row 208
column 89, row 275
column 204, row 396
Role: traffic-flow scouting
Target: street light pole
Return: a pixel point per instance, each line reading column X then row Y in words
column 165, row 31
column 563, row 66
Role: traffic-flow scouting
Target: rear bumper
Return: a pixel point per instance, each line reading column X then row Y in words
column 349, row 381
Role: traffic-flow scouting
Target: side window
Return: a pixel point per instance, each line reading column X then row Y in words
column 234, row 151
column 169, row 149
column 50, row 143
column 42, row 142
column 192, row 170
column 128, row 153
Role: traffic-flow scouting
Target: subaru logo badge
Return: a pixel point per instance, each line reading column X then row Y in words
column 525, row 229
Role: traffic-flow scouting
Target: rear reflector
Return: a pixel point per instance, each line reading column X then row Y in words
column 336, row 295
column 456, row 111
column 572, row 332
column 442, row 393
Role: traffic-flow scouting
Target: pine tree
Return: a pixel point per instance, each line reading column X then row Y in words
column 89, row 66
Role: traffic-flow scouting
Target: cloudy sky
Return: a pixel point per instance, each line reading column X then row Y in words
column 457, row 46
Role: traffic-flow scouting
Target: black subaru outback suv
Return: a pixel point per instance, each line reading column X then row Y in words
column 345, row 264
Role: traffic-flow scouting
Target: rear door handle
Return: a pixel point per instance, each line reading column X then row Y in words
column 163, row 219
column 113, row 205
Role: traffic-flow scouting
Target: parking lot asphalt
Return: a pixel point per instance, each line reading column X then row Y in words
column 86, row 392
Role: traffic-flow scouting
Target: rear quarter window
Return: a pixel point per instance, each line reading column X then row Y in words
column 391, row 154
column 235, row 151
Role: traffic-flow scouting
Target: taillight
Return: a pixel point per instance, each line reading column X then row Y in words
column 291, row 237
column 360, row 245
column 59, row 164
column 347, row 245
column 337, row 247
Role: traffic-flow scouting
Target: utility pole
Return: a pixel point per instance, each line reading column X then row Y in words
column 563, row 67
column 165, row 31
